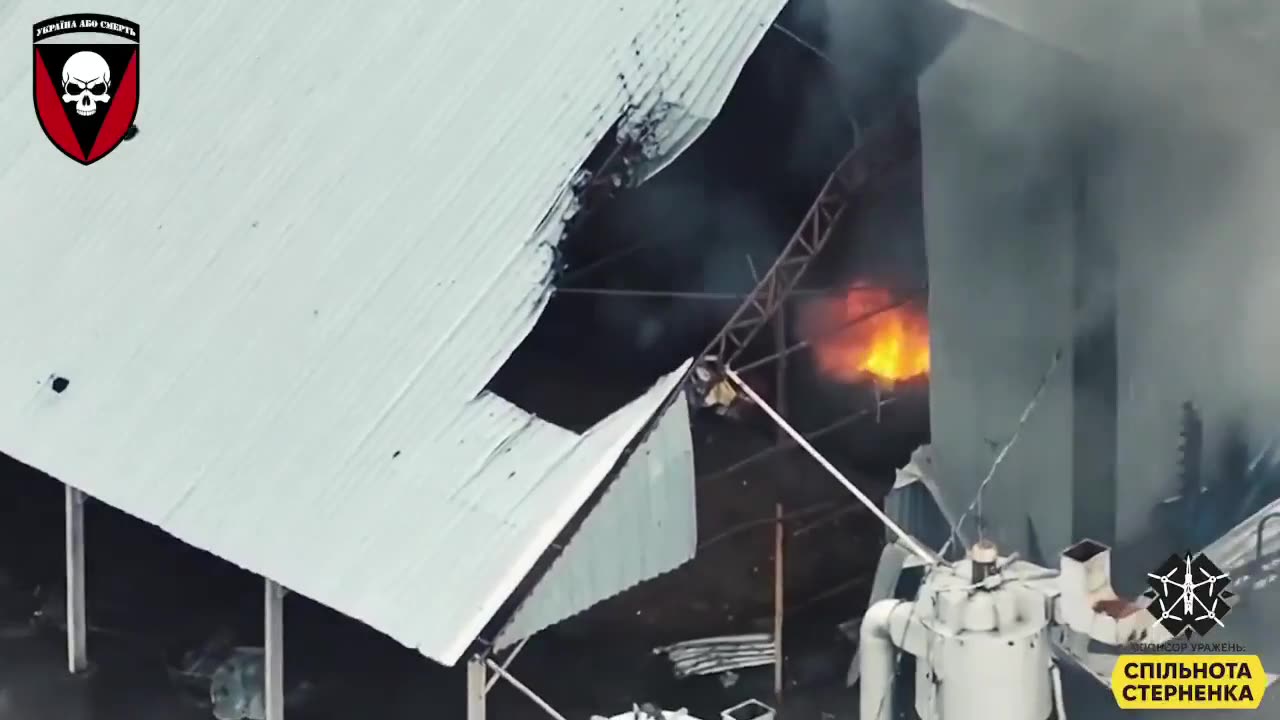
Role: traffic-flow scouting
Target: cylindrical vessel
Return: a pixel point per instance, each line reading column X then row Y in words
column 988, row 653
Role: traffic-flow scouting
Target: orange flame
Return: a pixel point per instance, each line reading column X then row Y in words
column 867, row 334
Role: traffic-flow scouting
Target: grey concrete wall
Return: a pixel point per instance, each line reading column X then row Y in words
column 1035, row 161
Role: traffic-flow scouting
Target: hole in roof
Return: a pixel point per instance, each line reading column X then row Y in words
column 58, row 384
column 645, row 276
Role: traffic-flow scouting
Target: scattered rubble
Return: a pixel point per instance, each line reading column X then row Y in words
column 715, row 655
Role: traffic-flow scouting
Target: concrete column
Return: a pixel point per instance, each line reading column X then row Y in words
column 77, row 639
column 273, row 641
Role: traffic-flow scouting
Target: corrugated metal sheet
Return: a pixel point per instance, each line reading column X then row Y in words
column 643, row 526
column 278, row 306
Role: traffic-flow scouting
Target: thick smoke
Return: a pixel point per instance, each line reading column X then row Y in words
column 825, row 69
column 702, row 240
column 1140, row 136
column 872, row 50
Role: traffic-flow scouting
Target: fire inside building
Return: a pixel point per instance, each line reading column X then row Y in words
column 753, row 359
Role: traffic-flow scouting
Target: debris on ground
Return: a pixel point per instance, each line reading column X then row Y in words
column 715, row 655
column 648, row 711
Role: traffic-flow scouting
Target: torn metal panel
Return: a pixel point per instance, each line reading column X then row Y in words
column 709, row 388
column 714, row 655
column 915, row 503
column 694, row 93
column 278, row 314
column 643, row 526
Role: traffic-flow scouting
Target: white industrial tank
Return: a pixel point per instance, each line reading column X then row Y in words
column 989, row 642
column 981, row 640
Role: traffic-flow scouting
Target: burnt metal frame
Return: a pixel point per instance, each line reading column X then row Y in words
column 883, row 148
column 879, row 150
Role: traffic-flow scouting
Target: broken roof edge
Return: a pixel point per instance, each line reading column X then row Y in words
column 643, row 525
column 524, row 573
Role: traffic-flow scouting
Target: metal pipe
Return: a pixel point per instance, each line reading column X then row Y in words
column 877, row 661
column 273, row 649
column 477, row 703
column 909, row 542
column 1059, row 703
column 1262, row 525
column 511, row 656
column 77, row 621
column 527, row 692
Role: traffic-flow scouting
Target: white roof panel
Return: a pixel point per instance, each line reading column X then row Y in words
column 279, row 305
column 646, row 524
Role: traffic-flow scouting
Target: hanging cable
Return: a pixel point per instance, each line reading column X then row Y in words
column 609, row 259
column 811, row 436
column 835, row 74
column 995, row 464
column 928, row 557
column 1004, row 451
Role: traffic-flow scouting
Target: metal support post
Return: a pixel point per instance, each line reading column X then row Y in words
column 273, row 642
column 779, row 530
column 476, row 689
column 77, row 629
column 506, row 664
column 525, row 690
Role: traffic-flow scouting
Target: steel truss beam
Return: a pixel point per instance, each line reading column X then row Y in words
column 883, row 148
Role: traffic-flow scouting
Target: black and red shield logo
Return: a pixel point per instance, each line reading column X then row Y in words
column 86, row 82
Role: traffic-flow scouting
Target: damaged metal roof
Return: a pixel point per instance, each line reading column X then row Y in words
column 276, row 309
column 644, row 525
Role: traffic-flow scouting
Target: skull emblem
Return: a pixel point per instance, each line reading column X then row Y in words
column 86, row 78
